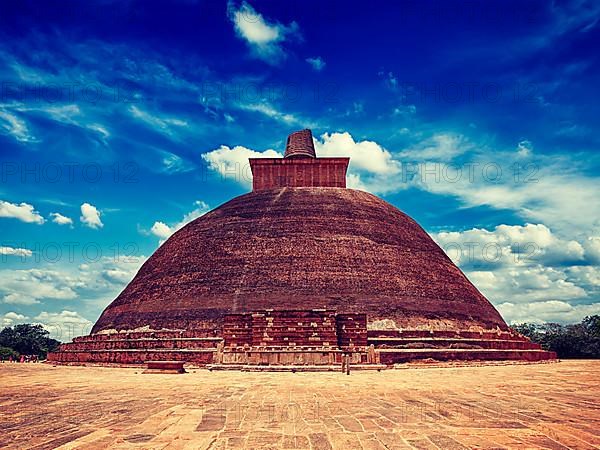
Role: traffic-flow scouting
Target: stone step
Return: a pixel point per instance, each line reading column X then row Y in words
column 161, row 367
column 394, row 356
column 447, row 343
column 180, row 334
column 195, row 356
column 294, row 368
column 271, row 358
column 124, row 344
column 503, row 335
column 286, row 357
column 156, row 350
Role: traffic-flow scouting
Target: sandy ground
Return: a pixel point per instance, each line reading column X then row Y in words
column 513, row 406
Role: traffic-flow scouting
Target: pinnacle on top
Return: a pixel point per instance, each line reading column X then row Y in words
column 300, row 145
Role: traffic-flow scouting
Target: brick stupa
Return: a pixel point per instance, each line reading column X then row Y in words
column 299, row 273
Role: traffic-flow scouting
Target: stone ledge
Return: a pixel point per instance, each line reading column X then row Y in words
column 294, row 368
column 175, row 367
column 453, row 350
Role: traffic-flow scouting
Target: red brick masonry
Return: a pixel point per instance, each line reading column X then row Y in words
column 297, row 337
column 272, row 173
column 316, row 262
column 300, row 145
column 300, row 249
column 308, row 328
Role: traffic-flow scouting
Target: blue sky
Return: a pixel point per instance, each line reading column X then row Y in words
column 121, row 121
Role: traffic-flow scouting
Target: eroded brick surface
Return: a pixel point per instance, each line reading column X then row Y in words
column 301, row 248
column 300, row 145
column 272, row 173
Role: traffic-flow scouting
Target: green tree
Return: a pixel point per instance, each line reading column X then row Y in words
column 6, row 352
column 529, row 330
column 28, row 339
column 591, row 326
column 580, row 340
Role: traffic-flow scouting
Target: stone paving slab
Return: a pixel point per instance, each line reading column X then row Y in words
column 552, row 406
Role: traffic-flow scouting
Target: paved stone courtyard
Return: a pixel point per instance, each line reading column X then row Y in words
column 512, row 406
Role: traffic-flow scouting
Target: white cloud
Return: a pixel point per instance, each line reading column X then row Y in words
column 62, row 316
column 60, row 113
column 509, row 245
column 524, row 148
column 357, row 108
column 317, row 63
column 440, row 147
column 94, row 285
column 12, row 125
column 592, row 249
column 270, row 111
column 15, row 251
column 526, row 285
column 588, row 276
column 547, row 311
column 165, row 125
column 28, row 287
column 14, row 316
column 562, row 199
column 372, row 167
column 117, row 275
column 577, row 16
column 100, row 129
column 23, row 212
column 19, row 298
column 110, row 274
column 232, row 163
column 529, row 273
column 200, row 209
column 69, row 114
column 389, row 79
column 364, row 155
column 161, row 229
column 164, row 231
column 264, row 38
column 404, row 110
column 174, row 164
column 531, row 294
column 547, row 190
column 90, row 286
column 64, row 325
column 90, row 216
column 10, row 318
column 60, row 219
column 103, row 279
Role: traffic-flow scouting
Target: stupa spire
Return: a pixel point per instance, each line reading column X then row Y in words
column 299, row 167
column 300, row 145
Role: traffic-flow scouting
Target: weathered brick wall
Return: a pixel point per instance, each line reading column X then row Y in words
column 333, row 248
column 237, row 330
column 300, row 145
column 295, row 328
column 409, row 333
column 127, row 357
column 351, row 330
column 305, row 172
column 395, row 357
column 194, row 346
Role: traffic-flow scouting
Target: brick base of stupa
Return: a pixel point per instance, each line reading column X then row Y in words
column 319, row 339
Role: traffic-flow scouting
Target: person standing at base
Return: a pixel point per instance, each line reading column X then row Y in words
column 346, row 363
